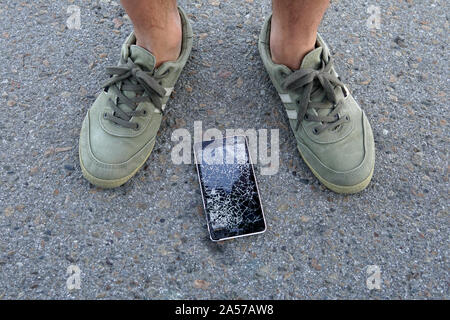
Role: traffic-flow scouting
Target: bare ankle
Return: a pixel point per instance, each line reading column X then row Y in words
column 290, row 51
column 163, row 42
column 293, row 31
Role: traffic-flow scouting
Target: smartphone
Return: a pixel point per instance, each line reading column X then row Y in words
column 230, row 193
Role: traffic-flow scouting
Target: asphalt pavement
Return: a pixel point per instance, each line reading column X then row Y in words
column 148, row 239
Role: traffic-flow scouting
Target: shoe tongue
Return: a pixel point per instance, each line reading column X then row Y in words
column 142, row 57
column 312, row 60
column 146, row 61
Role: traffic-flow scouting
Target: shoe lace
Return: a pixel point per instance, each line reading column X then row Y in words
column 130, row 77
column 312, row 83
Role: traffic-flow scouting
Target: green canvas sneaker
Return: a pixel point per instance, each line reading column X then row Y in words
column 333, row 134
column 119, row 130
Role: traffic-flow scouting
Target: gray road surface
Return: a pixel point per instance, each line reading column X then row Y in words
column 148, row 239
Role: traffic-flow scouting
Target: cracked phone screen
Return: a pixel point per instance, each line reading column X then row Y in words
column 230, row 193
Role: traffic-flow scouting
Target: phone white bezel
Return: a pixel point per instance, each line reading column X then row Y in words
column 203, row 197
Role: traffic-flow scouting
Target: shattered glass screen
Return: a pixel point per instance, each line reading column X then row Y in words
column 231, row 198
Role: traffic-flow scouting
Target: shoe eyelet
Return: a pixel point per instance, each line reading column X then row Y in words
column 315, row 131
column 306, row 117
column 144, row 112
column 346, row 92
column 347, row 117
column 136, row 128
column 105, row 115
